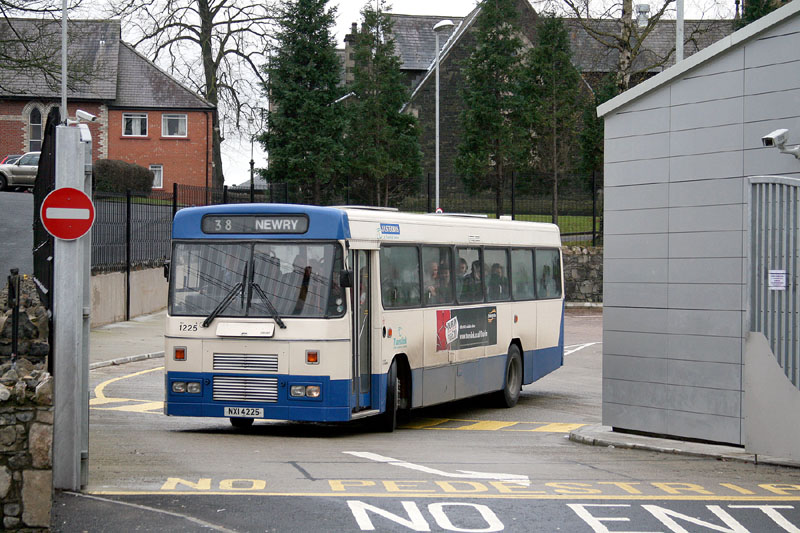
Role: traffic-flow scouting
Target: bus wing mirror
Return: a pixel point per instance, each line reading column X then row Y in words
column 346, row 278
column 166, row 269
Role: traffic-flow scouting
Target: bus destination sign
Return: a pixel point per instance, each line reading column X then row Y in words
column 255, row 224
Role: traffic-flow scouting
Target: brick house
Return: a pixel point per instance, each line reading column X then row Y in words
column 415, row 45
column 144, row 115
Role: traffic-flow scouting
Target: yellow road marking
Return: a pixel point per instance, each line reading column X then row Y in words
column 424, row 423
column 458, row 424
column 141, row 406
column 99, row 390
column 556, row 428
column 145, row 407
column 486, row 425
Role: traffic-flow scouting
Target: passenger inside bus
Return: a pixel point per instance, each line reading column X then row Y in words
column 472, row 291
column 431, row 281
column 497, row 285
column 444, row 292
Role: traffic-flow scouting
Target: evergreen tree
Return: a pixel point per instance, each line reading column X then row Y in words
column 551, row 89
column 304, row 126
column 491, row 134
column 591, row 135
column 752, row 10
column 382, row 143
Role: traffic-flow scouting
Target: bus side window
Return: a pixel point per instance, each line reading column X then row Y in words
column 522, row 274
column 399, row 276
column 469, row 285
column 496, row 280
column 548, row 274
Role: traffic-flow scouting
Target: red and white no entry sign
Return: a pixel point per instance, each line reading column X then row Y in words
column 67, row 213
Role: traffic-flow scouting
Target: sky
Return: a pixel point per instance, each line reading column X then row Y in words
column 236, row 152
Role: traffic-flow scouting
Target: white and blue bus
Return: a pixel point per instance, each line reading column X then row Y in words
column 331, row 314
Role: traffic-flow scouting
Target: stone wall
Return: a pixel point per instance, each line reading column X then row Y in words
column 583, row 274
column 26, row 417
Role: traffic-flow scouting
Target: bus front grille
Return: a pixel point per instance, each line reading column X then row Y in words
column 251, row 362
column 245, row 389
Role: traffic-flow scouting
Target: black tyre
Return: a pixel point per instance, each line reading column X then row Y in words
column 241, row 423
column 3, row 182
column 388, row 420
column 509, row 396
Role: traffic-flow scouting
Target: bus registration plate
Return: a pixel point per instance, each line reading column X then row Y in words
column 245, row 412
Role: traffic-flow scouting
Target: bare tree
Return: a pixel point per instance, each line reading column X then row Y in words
column 30, row 45
column 624, row 35
column 216, row 47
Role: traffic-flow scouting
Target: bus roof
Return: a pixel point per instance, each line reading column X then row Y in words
column 370, row 226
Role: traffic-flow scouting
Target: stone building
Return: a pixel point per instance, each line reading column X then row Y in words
column 415, row 45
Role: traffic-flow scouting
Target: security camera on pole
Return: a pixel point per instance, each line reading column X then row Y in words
column 68, row 213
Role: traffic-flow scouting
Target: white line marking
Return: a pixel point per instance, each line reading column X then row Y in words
column 575, row 347
column 66, row 213
column 462, row 474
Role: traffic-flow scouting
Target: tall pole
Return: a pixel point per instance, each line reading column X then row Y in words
column 437, row 121
column 64, row 61
column 441, row 25
column 679, row 32
column 252, row 166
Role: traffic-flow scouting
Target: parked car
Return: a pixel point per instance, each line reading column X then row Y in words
column 7, row 160
column 22, row 173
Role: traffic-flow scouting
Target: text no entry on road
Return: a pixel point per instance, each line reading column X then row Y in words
column 67, row 213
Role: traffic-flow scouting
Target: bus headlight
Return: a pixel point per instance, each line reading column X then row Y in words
column 298, row 391
column 313, row 391
column 193, row 387
column 179, row 387
column 305, row 391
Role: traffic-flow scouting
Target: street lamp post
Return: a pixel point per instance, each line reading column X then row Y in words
column 439, row 27
column 252, row 167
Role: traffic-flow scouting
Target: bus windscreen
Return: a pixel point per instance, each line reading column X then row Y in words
column 294, row 279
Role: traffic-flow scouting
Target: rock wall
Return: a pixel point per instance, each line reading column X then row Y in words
column 26, row 417
column 583, row 274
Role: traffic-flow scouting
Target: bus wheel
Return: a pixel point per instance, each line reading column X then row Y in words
column 388, row 421
column 510, row 394
column 241, row 423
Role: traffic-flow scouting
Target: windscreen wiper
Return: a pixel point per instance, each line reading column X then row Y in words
column 275, row 315
column 223, row 304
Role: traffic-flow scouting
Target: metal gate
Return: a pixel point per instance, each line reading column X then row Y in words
column 775, row 268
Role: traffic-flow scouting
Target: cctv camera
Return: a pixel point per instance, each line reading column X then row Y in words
column 776, row 138
column 85, row 116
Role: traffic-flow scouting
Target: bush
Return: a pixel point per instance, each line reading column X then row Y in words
column 118, row 176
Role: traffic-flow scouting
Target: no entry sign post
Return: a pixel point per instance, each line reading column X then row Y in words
column 67, row 213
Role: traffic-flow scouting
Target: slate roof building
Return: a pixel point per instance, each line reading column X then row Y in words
column 144, row 115
column 415, row 45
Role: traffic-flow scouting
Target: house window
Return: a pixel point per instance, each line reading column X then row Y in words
column 134, row 124
column 158, row 176
column 35, row 124
column 173, row 125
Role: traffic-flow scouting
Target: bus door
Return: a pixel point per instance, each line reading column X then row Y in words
column 362, row 331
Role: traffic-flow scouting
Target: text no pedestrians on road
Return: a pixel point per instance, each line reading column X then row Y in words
column 67, row 213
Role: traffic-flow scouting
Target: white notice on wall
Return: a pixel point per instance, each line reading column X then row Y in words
column 777, row 280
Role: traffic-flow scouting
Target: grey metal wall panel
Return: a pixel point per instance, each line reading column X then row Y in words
column 706, row 270
column 706, row 218
column 732, row 60
column 630, row 319
column 636, row 221
column 635, row 172
column 772, row 78
column 635, row 270
column 706, row 401
column 705, row 348
column 706, row 192
column 645, row 394
column 652, row 100
column 650, row 246
column 774, row 46
column 705, row 166
column 704, row 88
column 635, row 417
column 704, row 115
column 705, row 140
column 643, row 123
column 706, row 244
column 645, row 147
column 632, row 343
column 638, row 369
column 711, row 297
column 638, row 197
column 705, row 426
column 635, row 295
column 770, row 106
column 704, row 322
column 704, row 375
